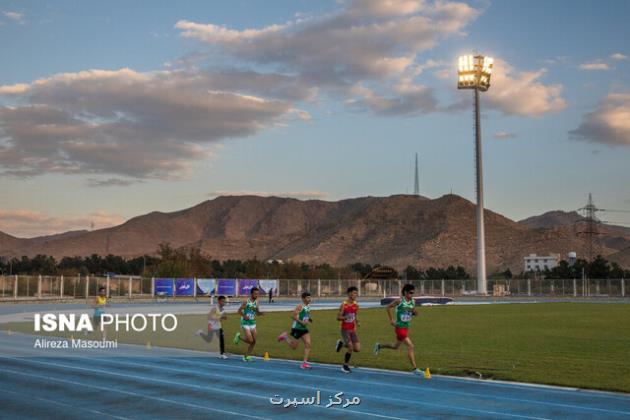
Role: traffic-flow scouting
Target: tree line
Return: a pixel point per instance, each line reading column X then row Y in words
column 171, row 262
column 599, row 268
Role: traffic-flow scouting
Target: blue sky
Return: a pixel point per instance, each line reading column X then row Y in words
column 112, row 110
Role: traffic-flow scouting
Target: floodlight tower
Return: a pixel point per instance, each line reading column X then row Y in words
column 474, row 73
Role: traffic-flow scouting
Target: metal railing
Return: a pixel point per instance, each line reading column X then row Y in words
column 71, row 287
column 18, row 287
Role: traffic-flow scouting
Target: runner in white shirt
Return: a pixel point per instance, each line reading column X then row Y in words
column 216, row 314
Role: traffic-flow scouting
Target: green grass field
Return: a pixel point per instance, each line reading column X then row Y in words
column 572, row 344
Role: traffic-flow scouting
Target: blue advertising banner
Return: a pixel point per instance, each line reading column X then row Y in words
column 226, row 287
column 266, row 285
column 206, row 286
column 184, row 287
column 164, row 287
column 245, row 285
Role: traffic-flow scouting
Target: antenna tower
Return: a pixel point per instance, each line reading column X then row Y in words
column 416, row 185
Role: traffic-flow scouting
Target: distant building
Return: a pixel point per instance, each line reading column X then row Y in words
column 535, row 262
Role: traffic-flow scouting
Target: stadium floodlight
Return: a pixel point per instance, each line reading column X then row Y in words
column 474, row 73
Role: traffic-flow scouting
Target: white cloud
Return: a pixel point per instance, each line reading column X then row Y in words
column 16, row 89
column 384, row 8
column 560, row 59
column 372, row 43
column 301, row 195
column 504, row 135
column 609, row 123
column 619, row 57
column 512, row 91
column 111, row 182
column 409, row 99
column 14, row 16
column 522, row 93
column 28, row 224
column 595, row 65
column 133, row 124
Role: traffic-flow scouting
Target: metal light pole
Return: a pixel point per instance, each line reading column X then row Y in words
column 474, row 73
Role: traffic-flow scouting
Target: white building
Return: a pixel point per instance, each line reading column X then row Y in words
column 535, row 262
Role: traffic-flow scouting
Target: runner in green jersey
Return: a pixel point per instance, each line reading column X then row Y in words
column 301, row 317
column 405, row 310
column 248, row 312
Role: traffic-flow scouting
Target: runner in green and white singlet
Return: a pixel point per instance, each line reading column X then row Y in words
column 303, row 316
column 248, row 319
column 405, row 310
column 299, row 328
column 248, row 311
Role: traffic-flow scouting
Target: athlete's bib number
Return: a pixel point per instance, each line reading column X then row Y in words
column 406, row 316
column 305, row 319
column 349, row 317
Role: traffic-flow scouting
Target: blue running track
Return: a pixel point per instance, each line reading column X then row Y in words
column 202, row 386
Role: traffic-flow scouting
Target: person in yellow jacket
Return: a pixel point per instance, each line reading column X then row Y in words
column 99, row 309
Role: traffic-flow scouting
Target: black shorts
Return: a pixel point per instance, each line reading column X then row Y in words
column 298, row 333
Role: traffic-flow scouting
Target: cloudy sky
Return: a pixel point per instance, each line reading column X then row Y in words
column 109, row 110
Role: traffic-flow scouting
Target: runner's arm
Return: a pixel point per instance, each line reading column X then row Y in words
column 211, row 314
column 340, row 313
column 389, row 310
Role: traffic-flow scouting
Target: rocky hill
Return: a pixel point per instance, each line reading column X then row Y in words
column 397, row 231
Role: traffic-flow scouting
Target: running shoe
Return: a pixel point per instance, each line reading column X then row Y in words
column 338, row 346
column 283, row 336
column 376, row 348
column 222, row 356
column 417, row 371
column 199, row 332
column 345, row 369
column 305, row 366
column 248, row 359
column 237, row 338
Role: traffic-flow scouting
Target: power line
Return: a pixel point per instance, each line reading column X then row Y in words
column 591, row 226
column 592, row 222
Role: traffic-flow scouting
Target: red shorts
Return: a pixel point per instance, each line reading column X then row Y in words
column 401, row 333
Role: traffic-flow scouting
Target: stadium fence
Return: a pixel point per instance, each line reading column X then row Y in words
column 19, row 287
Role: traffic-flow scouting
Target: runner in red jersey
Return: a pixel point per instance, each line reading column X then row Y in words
column 349, row 323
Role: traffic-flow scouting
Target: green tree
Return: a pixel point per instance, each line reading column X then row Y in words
column 599, row 268
column 411, row 273
column 616, row 272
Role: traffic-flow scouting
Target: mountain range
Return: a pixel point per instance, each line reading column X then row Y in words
column 399, row 230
